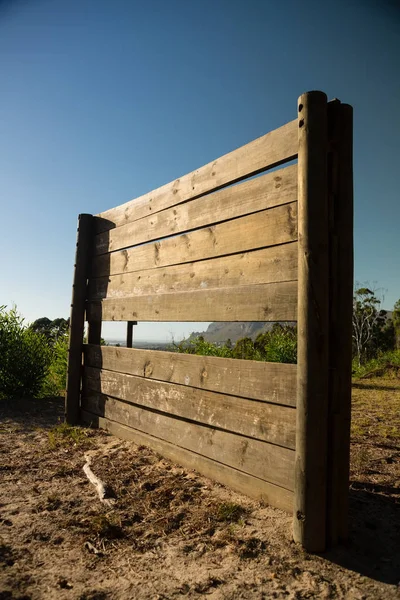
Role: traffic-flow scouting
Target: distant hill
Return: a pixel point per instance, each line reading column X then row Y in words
column 221, row 332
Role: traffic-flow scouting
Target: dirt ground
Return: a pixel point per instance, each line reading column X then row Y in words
column 171, row 533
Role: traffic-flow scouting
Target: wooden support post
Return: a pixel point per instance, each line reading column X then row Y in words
column 309, row 523
column 129, row 333
column 341, row 306
column 94, row 332
column 77, row 318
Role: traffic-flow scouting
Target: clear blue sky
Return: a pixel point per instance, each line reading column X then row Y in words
column 103, row 101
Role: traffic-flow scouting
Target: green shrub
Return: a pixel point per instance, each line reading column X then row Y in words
column 384, row 364
column 24, row 357
column 57, row 376
column 200, row 346
column 277, row 345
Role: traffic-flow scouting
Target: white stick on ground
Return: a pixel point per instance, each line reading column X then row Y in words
column 98, row 484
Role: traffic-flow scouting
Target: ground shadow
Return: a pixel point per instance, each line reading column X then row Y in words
column 373, row 549
column 30, row 413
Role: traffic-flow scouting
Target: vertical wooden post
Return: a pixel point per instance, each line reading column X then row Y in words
column 94, row 332
column 129, row 333
column 77, row 318
column 309, row 522
column 340, row 336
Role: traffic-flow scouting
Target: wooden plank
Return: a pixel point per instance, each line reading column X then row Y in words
column 269, row 265
column 309, row 523
column 264, row 302
column 260, row 420
column 269, row 382
column 266, row 152
column 237, row 480
column 263, row 229
column 266, row 461
column 264, row 192
column 77, row 318
column 340, row 335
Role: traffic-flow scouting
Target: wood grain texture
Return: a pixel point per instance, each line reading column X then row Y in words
column 264, row 192
column 265, row 302
column 235, row 479
column 260, row 420
column 269, row 382
column 266, row 152
column 269, row 265
column 309, row 523
column 266, row 461
column 77, row 317
column 260, row 230
column 341, row 310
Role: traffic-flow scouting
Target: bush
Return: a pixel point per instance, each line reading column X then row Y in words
column 56, row 380
column 277, row 345
column 199, row 345
column 386, row 363
column 24, row 357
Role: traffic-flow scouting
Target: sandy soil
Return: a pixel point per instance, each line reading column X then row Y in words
column 172, row 533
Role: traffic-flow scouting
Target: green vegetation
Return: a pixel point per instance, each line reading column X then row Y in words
column 64, row 435
column 25, row 357
column 387, row 363
column 373, row 333
column 277, row 345
column 230, row 512
column 57, row 374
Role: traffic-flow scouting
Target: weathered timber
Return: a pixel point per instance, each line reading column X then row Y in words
column 263, row 302
column 249, row 455
column 264, row 153
column 269, row 382
column 237, row 480
column 309, row 523
column 259, row 230
column 341, row 307
column 269, row 265
column 268, row 191
column 77, row 317
column 260, row 420
column 129, row 333
column 94, row 331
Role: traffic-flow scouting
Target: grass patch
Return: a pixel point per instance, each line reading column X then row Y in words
column 65, row 435
column 376, row 410
column 229, row 512
column 105, row 527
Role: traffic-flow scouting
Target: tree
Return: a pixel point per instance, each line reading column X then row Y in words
column 52, row 330
column 368, row 323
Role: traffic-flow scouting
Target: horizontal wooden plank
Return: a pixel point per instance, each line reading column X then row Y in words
column 269, row 382
column 269, row 265
column 264, row 153
column 260, row 420
column 264, row 192
column 265, row 302
column 237, row 480
column 260, row 230
column 266, row 461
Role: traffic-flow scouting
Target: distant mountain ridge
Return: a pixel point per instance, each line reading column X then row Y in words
column 221, row 332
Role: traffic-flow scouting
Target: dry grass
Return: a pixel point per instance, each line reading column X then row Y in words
column 173, row 533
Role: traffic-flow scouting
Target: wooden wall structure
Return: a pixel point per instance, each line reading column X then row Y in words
column 221, row 244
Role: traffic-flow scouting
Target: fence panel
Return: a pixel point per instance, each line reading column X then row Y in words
column 229, row 243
